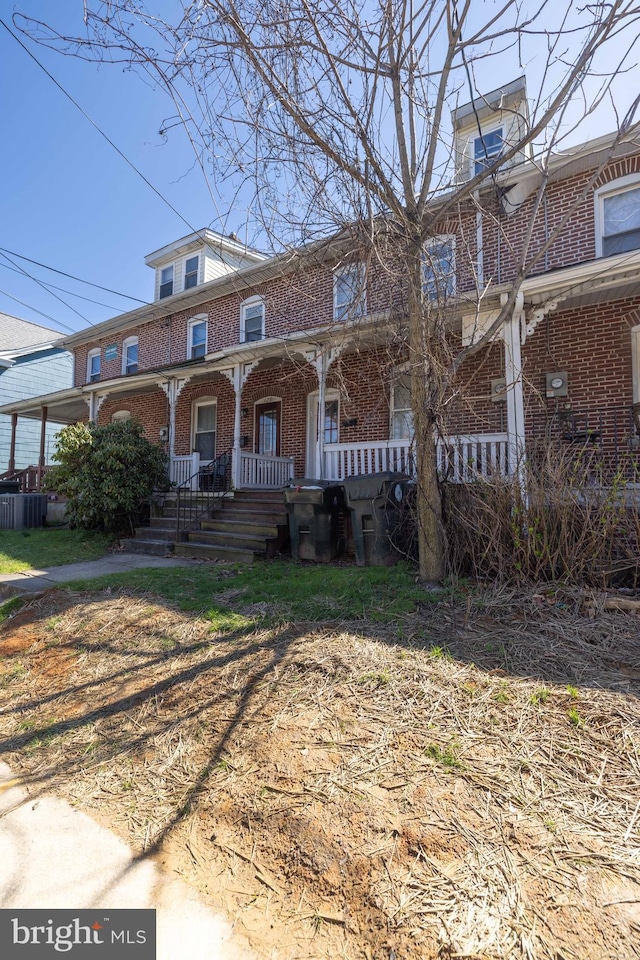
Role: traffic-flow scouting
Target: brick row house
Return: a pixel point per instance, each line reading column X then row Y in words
column 295, row 365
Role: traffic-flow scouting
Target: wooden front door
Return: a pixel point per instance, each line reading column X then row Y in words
column 267, row 428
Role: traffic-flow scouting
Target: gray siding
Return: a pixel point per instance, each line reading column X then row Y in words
column 32, row 376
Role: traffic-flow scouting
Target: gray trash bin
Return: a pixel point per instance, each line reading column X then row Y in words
column 373, row 500
column 314, row 508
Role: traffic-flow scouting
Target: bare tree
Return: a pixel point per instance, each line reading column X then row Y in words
column 337, row 117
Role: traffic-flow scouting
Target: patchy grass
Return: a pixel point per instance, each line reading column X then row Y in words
column 281, row 591
column 49, row 546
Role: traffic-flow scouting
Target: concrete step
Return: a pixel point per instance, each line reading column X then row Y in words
column 156, row 533
column 253, row 513
column 256, row 544
column 224, row 524
column 205, row 551
column 267, row 496
column 163, row 523
column 158, row 548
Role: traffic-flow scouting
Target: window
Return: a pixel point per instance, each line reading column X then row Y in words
column 130, row 355
column 197, row 345
column 93, row 365
column 401, row 427
column 487, row 148
column 191, row 272
column 166, row 282
column 120, row 416
column 618, row 217
column 349, row 296
column 439, row 268
column 252, row 320
column 205, row 417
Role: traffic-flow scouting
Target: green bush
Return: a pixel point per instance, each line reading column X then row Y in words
column 106, row 473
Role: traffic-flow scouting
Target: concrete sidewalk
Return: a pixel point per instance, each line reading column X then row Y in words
column 33, row 581
column 52, row 856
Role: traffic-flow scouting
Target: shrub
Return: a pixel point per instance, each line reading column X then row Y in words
column 106, row 473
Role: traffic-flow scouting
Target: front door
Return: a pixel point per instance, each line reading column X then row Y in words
column 331, row 428
column 267, row 428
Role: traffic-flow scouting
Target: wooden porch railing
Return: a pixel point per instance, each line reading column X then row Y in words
column 460, row 458
column 184, row 469
column 30, row 478
column 257, row 470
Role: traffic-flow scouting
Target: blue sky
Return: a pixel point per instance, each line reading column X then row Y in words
column 71, row 202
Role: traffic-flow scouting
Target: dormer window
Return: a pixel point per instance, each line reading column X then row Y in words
column 197, row 344
column 487, row 148
column 252, row 320
column 130, row 355
column 191, row 272
column 618, row 216
column 93, row 365
column 166, row 282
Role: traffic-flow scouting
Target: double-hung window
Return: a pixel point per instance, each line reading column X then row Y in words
column 166, row 282
column 197, row 342
column 349, row 292
column 618, row 216
column 486, row 149
column 191, row 272
column 439, row 268
column 93, row 365
column 252, row 320
column 130, row 355
column 401, row 427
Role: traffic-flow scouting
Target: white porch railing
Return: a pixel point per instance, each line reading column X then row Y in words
column 258, row 470
column 181, row 468
column 460, row 458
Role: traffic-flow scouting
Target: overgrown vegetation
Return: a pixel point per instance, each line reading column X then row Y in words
column 576, row 523
column 45, row 547
column 106, row 473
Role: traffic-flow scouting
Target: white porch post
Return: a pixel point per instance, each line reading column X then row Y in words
column 172, row 389
column 511, row 333
column 236, row 461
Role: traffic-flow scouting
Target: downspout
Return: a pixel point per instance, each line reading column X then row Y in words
column 479, row 242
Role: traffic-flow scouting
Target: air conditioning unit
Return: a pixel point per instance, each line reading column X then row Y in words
column 20, row 510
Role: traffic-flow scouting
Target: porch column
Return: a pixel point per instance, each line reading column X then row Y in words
column 236, row 465
column 43, row 436
column 12, row 450
column 322, row 391
column 511, row 333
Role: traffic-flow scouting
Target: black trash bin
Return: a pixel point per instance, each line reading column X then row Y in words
column 314, row 508
column 9, row 486
column 373, row 500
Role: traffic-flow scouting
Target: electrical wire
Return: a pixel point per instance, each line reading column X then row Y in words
column 51, row 294
column 71, row 293
column 35, row 310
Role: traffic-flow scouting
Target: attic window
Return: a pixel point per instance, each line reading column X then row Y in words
column 166, row 282
column 487, row 148
column 191, row 272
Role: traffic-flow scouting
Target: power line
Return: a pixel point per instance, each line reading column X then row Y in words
column 70, row 276
column 51, row 294
column 35, row 310
column 62, row 289
column 100, row 131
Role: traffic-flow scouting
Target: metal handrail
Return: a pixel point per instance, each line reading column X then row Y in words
column 216, row 477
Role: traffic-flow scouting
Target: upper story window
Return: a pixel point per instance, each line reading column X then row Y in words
column 191, row 272
column 439, row 268
column 130, row 355
column 401, row 426
column 618, row 216
column 197, row 338
column 166, row 281
column 349, row 293
column 93, row 365
column 252, row 320
column 487, row 148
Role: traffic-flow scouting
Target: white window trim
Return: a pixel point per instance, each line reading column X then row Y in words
column 498, row 125
column 173, row 280
column 202, row 402
column 440, row 239
column 95, row 352
column 184, row 272
column 631, row 181
column 129, row 342
column 635, row 363
column 244, row 307
column 193, row 321
column 396, row 374
column 347, row 312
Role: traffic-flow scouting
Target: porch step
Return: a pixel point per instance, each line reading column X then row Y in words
column 157, row 548
column 241, row 541
column 204, row 551
column 231, row 526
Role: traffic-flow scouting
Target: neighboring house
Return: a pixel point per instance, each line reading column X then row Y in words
column 295, row 365
column 31, row 362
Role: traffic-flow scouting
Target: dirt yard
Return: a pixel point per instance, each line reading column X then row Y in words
column 464, row 785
